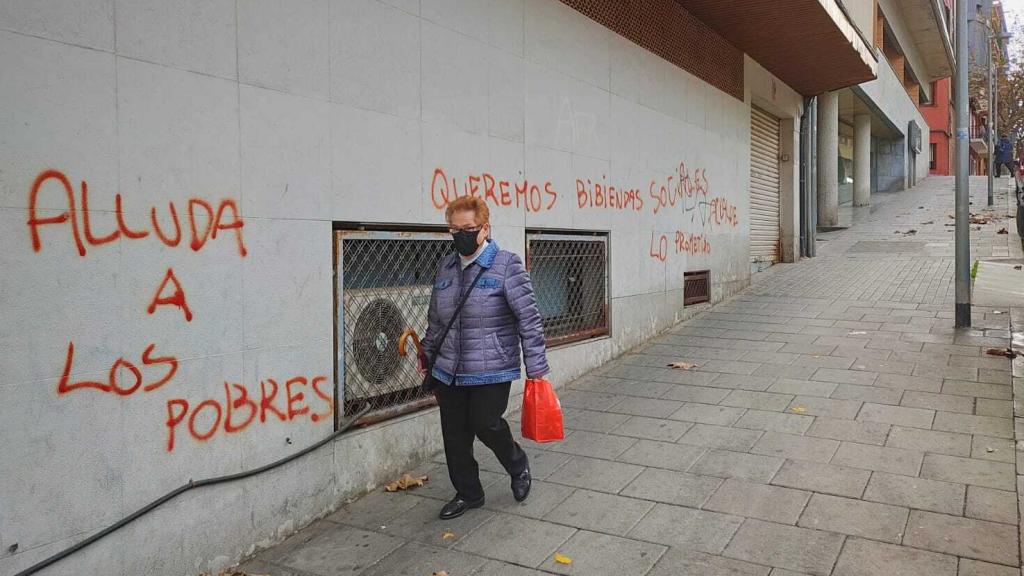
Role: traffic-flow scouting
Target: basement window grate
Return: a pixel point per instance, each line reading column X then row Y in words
column 570, row 280
column 696, row 287
column 384, row 281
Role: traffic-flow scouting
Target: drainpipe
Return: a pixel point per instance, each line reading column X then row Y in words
column 807, row 177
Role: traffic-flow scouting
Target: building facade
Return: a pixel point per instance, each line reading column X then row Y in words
column 881, row 121
column 939, row 113
column 218, row 218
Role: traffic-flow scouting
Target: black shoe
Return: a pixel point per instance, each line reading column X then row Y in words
column 521, row 485
column 457, row 507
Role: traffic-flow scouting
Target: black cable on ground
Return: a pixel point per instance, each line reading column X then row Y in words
column 192, row 484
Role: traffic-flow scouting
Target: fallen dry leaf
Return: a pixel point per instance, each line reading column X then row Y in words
column 799, row 409
column 1006, row 352
column 989, row 449
column 1002, row 231
column 928, row 222
column 682, row 365
column 997, row 312
column 405, row 482
column 561, row 559
column 448, row 536
column 855, row 333
column 1018, row 267
column 441, row 573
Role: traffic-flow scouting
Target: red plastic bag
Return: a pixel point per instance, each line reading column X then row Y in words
column 542, row 412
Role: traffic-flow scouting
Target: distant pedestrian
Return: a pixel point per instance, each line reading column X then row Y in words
column 473, row 352
column 1004, row 156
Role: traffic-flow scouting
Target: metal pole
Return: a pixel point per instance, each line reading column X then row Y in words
column 963, row 195
column 991, row 123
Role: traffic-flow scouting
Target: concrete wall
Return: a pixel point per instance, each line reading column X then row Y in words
column 889, row 101
column 862, row 13
column 901, row 29
column 262, row 124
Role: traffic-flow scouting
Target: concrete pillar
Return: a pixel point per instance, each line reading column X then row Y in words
column 862, row 160
column 828, row 159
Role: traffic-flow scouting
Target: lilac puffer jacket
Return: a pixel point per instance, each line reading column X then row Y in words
column 484, row 343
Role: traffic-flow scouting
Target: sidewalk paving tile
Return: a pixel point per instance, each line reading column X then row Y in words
column 711, row 436
column 340, row 551
column 970, row 567
column 682, row 562
column 728, row 464
column 824, row 478
column 761, row 501
column 777, row 545
column 855, row 518
column 829, row 407
column 599, row 511
column 993, row 505
column 514, row 539
column 970, row 471
column 796, row 447
column 652, row 428
column 914, row 417
column 977, row 539
column 687, row 528
column 803, row 387
column 850, row 430
column 868, row 558
column 415, row 559
column 938, row 402
column 775, row 421
column 759, row 400
column 950, row 443
column 708, row 414
column 601, row 475
column 995, row 449
column 868, row 394
column 596, row 554
column 984, row 425
column 670, row 487
column 659, row 454
column 878, row 458
column 917, row 493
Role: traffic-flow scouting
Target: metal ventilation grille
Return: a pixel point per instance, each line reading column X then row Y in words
column 570, row 280
column 666, row 29
column 696, row 287
column 385, row 281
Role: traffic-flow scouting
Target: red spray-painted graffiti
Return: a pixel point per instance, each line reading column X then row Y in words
column 204, row 419
column 236, row 399
column 525, row 195
column 686, row 191
column 683, row 243
column 176, row 299
column 210, row 224
column 113, row 384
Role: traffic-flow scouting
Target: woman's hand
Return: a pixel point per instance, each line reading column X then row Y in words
column 421, row 365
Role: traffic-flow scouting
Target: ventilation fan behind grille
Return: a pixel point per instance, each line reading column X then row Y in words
column 374, row 319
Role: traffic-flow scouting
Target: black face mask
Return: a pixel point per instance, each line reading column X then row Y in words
column 465, row 242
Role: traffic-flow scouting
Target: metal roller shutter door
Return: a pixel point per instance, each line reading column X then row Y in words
column 765, row 186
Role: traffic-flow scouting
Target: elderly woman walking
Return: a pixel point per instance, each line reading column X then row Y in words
column 481, row 309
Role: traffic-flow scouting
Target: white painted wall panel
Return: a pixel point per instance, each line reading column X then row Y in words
column 285, row 45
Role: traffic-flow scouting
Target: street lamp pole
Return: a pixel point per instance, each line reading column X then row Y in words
column 991, row 124
column 962, row 197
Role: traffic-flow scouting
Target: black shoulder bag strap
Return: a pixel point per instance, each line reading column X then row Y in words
column 429, row 382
